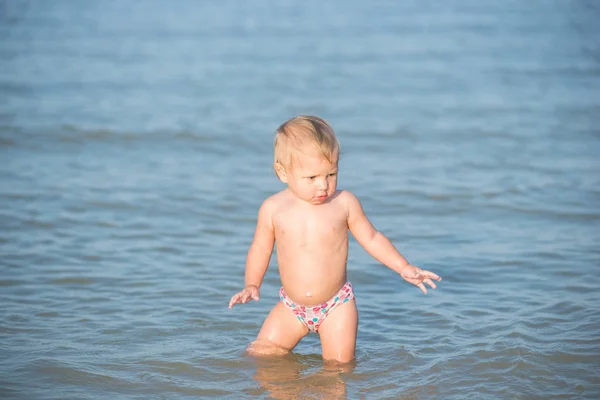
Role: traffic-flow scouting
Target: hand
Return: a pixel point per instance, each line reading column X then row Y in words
column 417, row 276
column 250, row 292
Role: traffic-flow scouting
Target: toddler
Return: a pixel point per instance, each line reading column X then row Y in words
column 309, row 222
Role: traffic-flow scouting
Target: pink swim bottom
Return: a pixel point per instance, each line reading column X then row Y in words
column 313, row 316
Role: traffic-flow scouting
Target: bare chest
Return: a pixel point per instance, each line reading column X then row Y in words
column 320, row 226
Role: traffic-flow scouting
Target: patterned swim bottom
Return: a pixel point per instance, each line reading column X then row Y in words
column 313, row 316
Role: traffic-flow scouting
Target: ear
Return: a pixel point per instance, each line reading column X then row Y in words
column 280, row 171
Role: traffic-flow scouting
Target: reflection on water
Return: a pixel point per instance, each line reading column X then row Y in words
column 301, row 377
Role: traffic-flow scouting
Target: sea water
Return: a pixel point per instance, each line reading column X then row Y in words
column 136, row 148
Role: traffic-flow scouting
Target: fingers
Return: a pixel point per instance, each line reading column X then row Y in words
column 239, row 298
column 243, row 297
column 424, row 288
column 430, row 283
column 431, row 275
column 413, row 272
column 426, row 277
column 234, row 300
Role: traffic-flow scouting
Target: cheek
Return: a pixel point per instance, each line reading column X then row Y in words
column 305, row 186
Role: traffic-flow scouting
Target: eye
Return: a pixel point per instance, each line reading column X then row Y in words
column 311, row 178
column 333, row 174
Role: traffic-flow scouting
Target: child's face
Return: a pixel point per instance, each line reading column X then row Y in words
column 313, row 178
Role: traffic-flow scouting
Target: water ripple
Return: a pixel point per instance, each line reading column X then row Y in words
column 129, row 195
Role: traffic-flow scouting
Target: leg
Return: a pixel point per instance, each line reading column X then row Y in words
column 338, row 333
column 279, row 334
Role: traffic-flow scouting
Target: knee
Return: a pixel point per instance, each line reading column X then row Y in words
column 265, row 348
column 345, row 358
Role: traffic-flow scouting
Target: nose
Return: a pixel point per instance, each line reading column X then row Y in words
column 323, row 184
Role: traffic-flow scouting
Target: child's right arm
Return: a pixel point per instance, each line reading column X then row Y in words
column 258, row 258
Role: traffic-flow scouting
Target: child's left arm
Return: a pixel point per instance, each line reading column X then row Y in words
column 382, row 249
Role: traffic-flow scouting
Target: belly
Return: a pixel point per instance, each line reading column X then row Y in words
column 312, row 283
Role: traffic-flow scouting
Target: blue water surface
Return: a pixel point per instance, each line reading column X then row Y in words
column 136, row 147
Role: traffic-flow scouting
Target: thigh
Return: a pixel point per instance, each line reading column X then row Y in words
column 281, row 328
column 338, row 332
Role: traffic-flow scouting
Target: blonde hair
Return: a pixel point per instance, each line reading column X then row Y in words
column 299, row 131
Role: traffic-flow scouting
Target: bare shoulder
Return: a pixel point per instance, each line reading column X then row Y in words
column 268, row 209
column 351, row 205
column 278, row 198
column 348, row 199
column 274, row 202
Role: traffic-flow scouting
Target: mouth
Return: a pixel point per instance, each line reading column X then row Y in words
column 321, row 198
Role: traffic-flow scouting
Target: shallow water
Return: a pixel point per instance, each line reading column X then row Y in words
column 135, row 141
